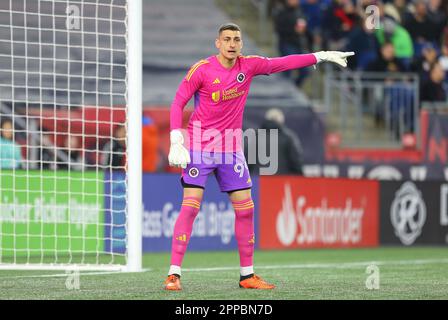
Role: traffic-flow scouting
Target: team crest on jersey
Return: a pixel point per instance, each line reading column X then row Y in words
column 240, row 77
column 215, row 96
column 193, row 172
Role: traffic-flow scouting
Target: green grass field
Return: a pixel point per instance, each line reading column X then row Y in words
column 404, row 273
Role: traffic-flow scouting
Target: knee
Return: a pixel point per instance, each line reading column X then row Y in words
column 190, row 211
column 245, row 214
column 244, row 209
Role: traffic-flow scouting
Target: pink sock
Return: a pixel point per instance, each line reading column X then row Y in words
column 244, row 230
column 182, row 229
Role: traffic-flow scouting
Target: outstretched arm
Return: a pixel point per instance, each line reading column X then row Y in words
column 296, row 61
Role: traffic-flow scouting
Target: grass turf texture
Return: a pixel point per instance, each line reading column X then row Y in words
column 405, row 273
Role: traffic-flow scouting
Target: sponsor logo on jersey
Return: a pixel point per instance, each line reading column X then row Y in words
column 232, row 94
column 216, row 81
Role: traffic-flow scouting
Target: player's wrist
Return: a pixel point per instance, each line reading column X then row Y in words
column 320, row 56
column 176, row 137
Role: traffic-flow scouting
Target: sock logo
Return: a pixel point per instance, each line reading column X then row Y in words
column 182, row 237
column 252, row 240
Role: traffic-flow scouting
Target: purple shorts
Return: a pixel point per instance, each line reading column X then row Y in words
column 230, row 169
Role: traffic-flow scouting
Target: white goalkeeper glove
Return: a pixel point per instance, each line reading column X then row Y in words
column 179, row 155
column 337, row 57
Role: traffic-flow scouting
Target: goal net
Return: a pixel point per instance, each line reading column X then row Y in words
column 67, row 167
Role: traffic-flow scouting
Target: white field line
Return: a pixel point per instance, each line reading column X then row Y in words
column 64, row 275
column 334, row 265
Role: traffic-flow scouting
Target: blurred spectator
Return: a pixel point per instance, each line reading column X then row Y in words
column 150, row 145
column 391, row 98
column 312, row 10
column 423, row 64
column 114, row 151
column 10, row 151
column 362, row 40
column 47, row 152
column 387, row 61
column 72, row 148
column 438, row 16
column 443, row 59
column 391, row 31
column 420, row 26
column 398, row 9
column 337, row 21
column 290, row 152
column 293, row 35
column 432, row 90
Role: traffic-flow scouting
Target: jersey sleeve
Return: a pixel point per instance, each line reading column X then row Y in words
column 259, row 65
column 293, row 61
column 262, row 65
column 189, row 85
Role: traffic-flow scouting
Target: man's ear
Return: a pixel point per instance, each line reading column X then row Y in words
column 217, row 44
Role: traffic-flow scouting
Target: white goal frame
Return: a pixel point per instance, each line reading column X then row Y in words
column 134, row 215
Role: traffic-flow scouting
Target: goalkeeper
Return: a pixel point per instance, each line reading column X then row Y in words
column 220, row 85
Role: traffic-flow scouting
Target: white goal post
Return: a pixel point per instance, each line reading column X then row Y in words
column 70, row 135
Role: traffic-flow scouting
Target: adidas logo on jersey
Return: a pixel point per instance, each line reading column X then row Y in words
column 216, row 81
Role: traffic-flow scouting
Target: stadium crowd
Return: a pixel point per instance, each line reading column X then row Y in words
column 392, row 36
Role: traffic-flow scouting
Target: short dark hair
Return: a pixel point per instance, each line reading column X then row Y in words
column 229, row 26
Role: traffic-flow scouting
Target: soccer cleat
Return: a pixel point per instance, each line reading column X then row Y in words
column 255, row 282
column 173, row 283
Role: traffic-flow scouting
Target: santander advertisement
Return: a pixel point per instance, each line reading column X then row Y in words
column 300, row 212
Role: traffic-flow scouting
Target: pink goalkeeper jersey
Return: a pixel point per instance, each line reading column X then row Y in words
column 219, row 98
